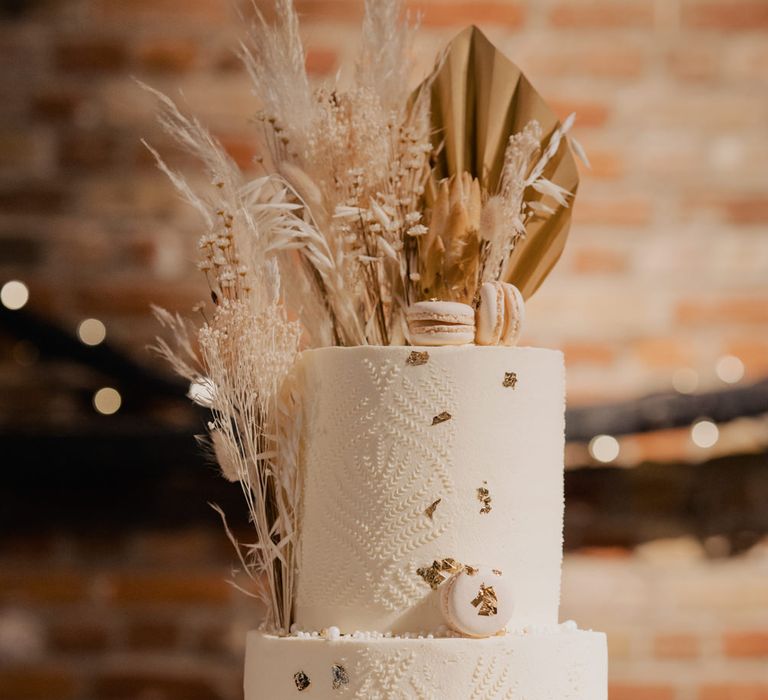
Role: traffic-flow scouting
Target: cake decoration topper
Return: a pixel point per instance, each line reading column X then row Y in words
column 367, row 199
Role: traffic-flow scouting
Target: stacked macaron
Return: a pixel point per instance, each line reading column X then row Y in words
column 500, row 314
column 440, row 323
column 497, row 321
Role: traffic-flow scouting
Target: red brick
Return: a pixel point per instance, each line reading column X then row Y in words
column 676, row 646
column 733, row 15
column 734, row 691
column 180, row 588
column 88, row 149
column 586, row 353
column 749, row 210
column 460, row 14
column 123, row 298
column 242, row 149
column 336, row 10
column 36, row 197
column 37, row 683
column 167, row 55
column 668, row 353
column 124, row 685
column 641, row 691
column 748, row 644
column 658, row 446
column 152, row 634
column 78, row 636
column 52, row 586
column 730, row 310
column 588, row 114
column 57, row 103
column 603, row 165
column 91, row 55
column 595, row 61
column 599, row 261
column 694, row 63
column 601, row 14
column 175, row 11
column 613, row 211
column 321, row 62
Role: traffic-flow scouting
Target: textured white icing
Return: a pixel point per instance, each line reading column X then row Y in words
column 373, row 462
column 562, row 665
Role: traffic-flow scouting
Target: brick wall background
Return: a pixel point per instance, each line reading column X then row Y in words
column 666, row 270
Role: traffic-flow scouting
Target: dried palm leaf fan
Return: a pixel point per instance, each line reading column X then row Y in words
column 479, row 99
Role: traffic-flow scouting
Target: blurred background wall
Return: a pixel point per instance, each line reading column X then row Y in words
column 112, row 568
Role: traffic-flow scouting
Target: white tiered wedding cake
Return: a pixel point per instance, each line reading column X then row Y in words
column 432, row 517
column 403, row 474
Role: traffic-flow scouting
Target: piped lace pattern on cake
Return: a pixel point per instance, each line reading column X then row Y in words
column 387, row 465
column 396, row 676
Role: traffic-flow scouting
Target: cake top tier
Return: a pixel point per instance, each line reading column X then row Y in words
column 421, row 462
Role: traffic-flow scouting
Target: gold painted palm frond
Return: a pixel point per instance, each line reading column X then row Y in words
column 479, row 98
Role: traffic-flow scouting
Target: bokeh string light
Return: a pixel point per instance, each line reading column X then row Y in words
column 91, row 331
column 730, row 369
column 604, row 448
column 704, row 433
column 107, row 400
column 14, row 295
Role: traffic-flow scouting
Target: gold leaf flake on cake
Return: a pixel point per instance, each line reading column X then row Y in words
column 510, row 380
column 339, row 677
column 430, row 511
column 470, row 570
column 484, row 496
column 451, row 565
column 486, row 601
column 301, row 680
column 496, row 571
column 431, row 574
column 438, row 571
column 417, row 358
column 441, row 418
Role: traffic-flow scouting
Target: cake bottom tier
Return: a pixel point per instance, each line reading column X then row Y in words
column 558, row 665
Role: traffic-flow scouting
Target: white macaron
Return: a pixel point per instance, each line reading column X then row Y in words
column 477, row 602
column 500, row 314
column 440, row 323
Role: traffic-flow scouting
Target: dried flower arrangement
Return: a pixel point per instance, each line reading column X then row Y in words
column 373, row 197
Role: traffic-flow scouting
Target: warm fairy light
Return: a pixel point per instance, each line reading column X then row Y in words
column 730, row 369
column 91, row 331
column 107, row 400
column 14, row 295
column 685, row 380
column 704, row 433
column 604, row 448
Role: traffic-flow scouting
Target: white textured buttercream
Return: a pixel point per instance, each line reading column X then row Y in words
column 384, row 439
column 557, row 665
